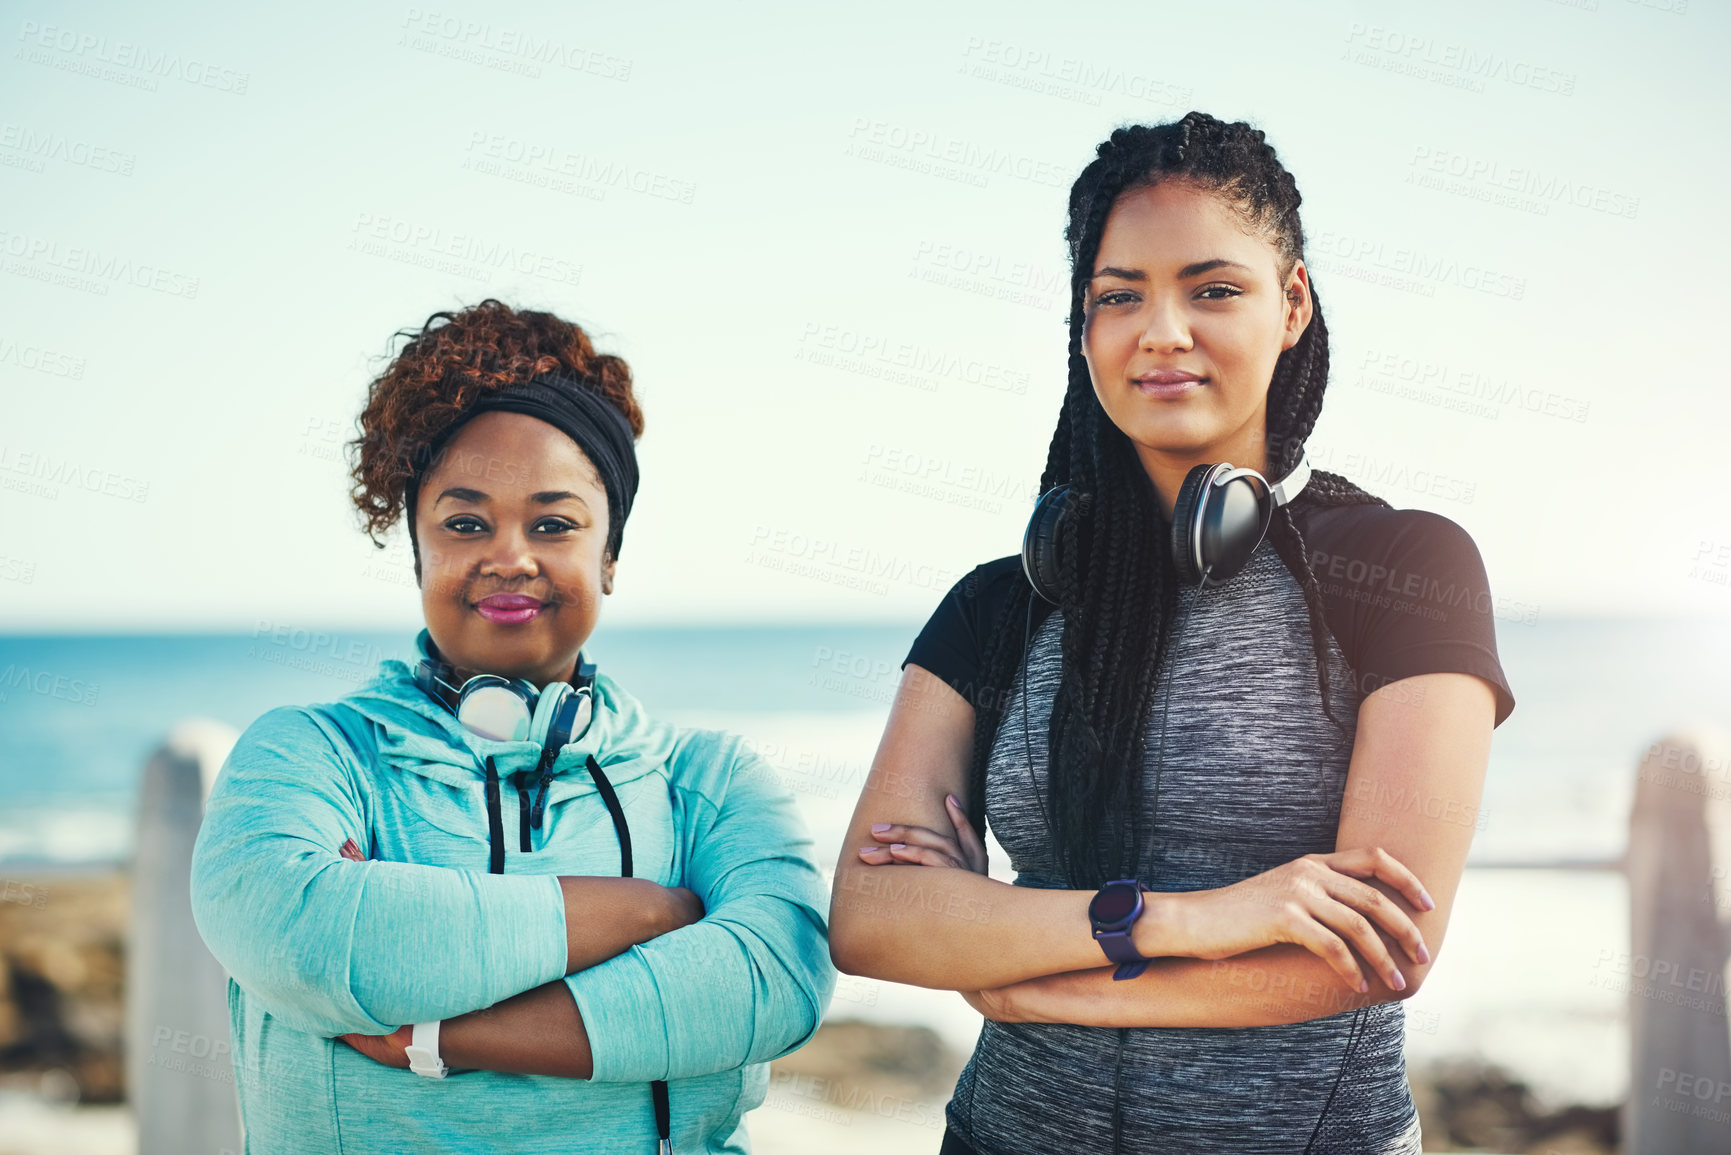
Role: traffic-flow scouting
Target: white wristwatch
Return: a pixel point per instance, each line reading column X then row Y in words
column 423, row 1051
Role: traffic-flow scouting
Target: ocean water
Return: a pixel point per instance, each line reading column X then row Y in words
column 79, row 716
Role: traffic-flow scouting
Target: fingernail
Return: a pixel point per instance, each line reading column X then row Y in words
column 898, row 846
column 1423, row 954
column 880, row 827
column 1429, row 902
column 1363, row 986
column 869, row 849
column 951, row 799
column 1399, row 983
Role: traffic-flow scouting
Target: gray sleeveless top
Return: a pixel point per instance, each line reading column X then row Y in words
column 1253, row 777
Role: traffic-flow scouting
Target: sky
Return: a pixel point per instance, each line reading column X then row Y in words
column 830, row 247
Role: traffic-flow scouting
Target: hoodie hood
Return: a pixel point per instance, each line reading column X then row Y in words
column 418, row 734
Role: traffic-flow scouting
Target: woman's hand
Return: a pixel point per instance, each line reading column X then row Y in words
column 1316, row 902
column 960, row 849
column 391, row 1049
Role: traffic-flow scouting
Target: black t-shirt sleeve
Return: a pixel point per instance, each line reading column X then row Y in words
column 1405, row 593
column 952, row 644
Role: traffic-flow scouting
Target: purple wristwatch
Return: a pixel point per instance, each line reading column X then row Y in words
column 1113, row 913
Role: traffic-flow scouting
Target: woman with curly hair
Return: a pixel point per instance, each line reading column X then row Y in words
column 1229, row 717
column 608, row 970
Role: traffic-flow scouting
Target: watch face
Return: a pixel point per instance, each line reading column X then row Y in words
column 1114, row 903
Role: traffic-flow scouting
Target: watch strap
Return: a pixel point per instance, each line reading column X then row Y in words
column 1129, row 970
column 1117, row 945
column 423, row 1051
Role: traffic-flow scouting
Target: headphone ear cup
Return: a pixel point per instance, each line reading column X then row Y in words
column 546, row 710
column 1040, row 541
column 1184, row 514
column 571, row 720
column 497, row 708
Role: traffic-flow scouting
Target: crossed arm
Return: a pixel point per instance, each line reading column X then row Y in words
column 1272, row 949
column 335, row 947
column 541, row 1031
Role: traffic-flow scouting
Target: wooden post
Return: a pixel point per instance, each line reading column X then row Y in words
column 179, row 1053
column 1679, row 870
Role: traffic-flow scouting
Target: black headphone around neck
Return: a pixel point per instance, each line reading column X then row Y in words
column 1221, row 516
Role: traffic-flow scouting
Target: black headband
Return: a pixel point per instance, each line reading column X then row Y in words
column 576, row 410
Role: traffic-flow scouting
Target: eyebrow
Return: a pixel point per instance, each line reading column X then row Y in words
column 1184, row 274
column 545, row 497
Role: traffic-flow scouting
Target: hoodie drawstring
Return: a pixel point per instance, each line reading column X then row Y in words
column 495, row 824
column 616, row 812
column 529, row 814
column 523, row 842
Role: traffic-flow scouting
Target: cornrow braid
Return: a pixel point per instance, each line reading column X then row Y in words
column 1118, row 587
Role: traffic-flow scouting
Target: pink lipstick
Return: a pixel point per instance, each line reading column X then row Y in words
column 509, row 609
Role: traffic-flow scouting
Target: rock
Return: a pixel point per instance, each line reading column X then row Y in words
column 1464, row 1105
column 62, row 943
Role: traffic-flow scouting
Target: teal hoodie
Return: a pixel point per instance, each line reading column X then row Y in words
column 317, row 945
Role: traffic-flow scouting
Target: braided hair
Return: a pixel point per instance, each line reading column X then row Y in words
column 1118, row 584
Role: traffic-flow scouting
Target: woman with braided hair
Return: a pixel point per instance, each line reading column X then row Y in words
column 1250, row 778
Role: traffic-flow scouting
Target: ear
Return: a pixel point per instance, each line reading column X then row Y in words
column 1299, row 306
column 607, row 574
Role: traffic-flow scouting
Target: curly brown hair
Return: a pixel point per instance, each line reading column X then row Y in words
column 443, row 367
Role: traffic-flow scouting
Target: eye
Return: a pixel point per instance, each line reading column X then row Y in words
column 1227, row 289
column 556, row 525
column 1115, row 297
column 465, row 523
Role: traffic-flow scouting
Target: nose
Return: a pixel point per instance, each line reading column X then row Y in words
column 510, row 554
column 1167, row 329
